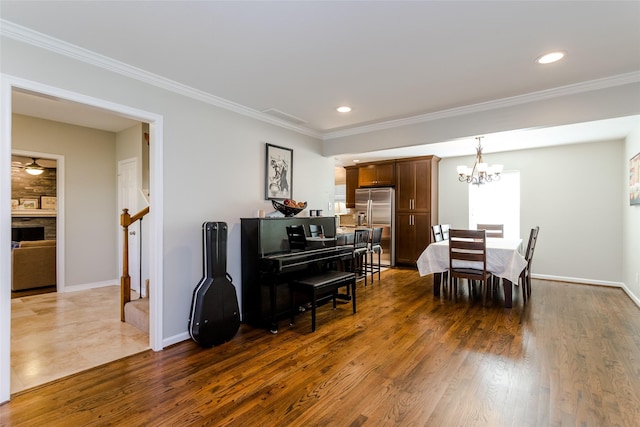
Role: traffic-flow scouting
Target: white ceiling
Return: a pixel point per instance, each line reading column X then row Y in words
column 386, row 59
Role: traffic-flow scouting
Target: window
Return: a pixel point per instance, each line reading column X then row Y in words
column 497, row 202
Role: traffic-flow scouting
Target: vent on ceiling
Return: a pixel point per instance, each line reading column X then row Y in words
column 284, row 116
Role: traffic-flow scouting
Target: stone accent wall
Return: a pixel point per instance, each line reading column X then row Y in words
column 25, row 186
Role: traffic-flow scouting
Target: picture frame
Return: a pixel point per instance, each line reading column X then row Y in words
column 29, row 203
column 278, row 173
column 634, row 180
column 48, row 202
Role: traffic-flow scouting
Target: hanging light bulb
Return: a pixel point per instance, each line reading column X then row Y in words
column 34, row 168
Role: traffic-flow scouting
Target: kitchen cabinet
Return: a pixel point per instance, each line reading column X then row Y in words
column 416, row 206
column 376, row 174
column 352, row 184
column 413, row 233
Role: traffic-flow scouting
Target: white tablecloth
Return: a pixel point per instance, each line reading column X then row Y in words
column 503, row 258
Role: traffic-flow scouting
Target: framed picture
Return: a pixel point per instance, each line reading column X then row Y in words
column 48, row 202
column 634, row 180
column 29, row 203
column 278, row 173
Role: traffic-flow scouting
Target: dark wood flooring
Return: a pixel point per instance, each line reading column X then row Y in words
column 569, row 356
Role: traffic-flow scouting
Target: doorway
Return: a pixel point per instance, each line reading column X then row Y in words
column 9, row 85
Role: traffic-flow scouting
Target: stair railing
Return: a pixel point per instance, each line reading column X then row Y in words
column 125, row 280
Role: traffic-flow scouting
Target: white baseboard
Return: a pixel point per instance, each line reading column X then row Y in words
column 578, row 281
column 85, row 286
column 183, row 336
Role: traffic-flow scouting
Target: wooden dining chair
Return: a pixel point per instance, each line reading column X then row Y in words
column 375, row 247
column 359, row 257
column 436, row 232
column 468, row 246
column 445, row 231
column 525, row 275
column 297, row 237
column 493, row 230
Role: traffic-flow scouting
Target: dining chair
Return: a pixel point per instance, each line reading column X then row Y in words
column 438, row 236
column 297, row 237
column 375, row 247
column 493, row 230
column 468, row 246
column 525, row 275
column 436, row 231
column 359, row 257
column 316, row 230
column 445, row 231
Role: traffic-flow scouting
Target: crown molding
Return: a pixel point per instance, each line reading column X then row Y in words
column 588, row 86
column 26, row 35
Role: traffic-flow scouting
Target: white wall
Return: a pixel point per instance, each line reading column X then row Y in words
column 90, row 198
column 630, row 223
column 213, row 165
column 572, row 192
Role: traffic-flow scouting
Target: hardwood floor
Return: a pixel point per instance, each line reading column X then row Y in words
column 54, row 334
column 570, row 356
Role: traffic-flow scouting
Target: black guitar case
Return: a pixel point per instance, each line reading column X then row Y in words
column 215, row 315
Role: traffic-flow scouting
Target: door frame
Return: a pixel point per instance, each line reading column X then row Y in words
column 7, row 85
column 60, row 212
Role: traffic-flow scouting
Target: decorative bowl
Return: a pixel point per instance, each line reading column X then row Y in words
column 287, row 210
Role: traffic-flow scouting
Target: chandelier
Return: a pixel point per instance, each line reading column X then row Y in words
column 481, row 172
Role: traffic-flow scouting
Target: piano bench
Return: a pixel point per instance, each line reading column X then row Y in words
column 319, row 285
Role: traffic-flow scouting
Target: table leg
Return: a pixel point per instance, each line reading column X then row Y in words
column 508, row 298
column 437, row 280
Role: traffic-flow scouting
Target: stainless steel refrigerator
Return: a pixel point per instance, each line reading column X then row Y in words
column 375, row 207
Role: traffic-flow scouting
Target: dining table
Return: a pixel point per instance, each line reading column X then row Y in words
column 504, row 260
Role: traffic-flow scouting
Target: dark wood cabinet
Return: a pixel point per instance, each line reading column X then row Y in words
column 376, row 174
column 413, row 232
column 416, row 206
column 352, row 184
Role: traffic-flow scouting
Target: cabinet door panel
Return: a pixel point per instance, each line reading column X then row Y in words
column 367, row 176
column 423, row 185
column 385, row 174
column 405, row 185
column 404, row 238
column 352, row 184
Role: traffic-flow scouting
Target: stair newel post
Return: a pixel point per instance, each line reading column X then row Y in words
column 125, row 279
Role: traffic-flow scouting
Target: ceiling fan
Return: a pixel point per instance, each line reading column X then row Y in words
column 31, row 165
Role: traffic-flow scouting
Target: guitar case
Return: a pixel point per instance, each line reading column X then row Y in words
column 215, row 315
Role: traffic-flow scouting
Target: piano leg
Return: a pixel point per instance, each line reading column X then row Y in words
column 272, row 295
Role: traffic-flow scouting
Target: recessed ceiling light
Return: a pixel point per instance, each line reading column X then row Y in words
column 548, row 58
column 343, row 109
column 356, row 161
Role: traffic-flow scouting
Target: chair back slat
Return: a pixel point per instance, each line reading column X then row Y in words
column 493, row 230
column 467, row 245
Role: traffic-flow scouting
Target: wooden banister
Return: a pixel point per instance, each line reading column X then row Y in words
column 125, row 280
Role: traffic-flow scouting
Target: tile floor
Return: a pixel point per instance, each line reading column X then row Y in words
column 57, row 334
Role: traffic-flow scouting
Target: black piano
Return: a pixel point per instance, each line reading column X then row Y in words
column 268, row 265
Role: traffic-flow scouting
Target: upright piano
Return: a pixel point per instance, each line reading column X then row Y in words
column 268, row 265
